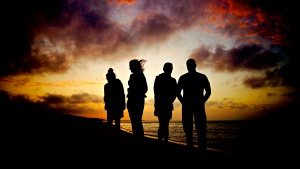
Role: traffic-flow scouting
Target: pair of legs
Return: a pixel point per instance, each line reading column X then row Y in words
column 135, row 109
column 113, row 115
column 163, row 128
column 188, row 118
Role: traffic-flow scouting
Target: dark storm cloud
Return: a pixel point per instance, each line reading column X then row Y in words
column 281, row 19
column 73, row 104
column 20, row 22
column 183, row 14
column 253, row 57
column 49, row 36
column 58, row 100
column 250, row 23
column 22, row 107
column 245, row 57
column 154, row 28
column 84, row 98
column 75, row 26
column 53, row 99
column 18, row 103
column 271, row 65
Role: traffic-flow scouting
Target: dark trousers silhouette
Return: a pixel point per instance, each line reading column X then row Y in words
column 135, row 109
column 163, row 128
column 113, row 116
column 188, row 118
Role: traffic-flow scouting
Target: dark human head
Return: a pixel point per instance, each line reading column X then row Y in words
column 191, row 65
column 168, row 68
column 136, row 65
column 110, row 75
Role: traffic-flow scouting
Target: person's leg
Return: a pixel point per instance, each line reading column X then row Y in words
column 135, row 109
column 167, row 122
column 159, row 133
column 110, row 122
column 139, row 112
column 132, row 115
column 201, row 128
column 166, row 130
column 187, row 123
column 164, row 123
column 117, row 126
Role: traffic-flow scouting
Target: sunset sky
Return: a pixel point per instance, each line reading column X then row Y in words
column 58, row 51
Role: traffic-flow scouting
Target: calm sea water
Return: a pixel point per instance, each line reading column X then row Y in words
column 229, row 136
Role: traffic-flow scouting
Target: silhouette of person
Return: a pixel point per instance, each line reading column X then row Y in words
column 193, row 84
column 114, row 99
column 165, row 90
column 136, row 94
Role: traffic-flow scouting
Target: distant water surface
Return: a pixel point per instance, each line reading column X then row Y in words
column 229, row 136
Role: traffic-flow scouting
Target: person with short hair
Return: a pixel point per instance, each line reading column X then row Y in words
column 196, row 91
column 165, row 90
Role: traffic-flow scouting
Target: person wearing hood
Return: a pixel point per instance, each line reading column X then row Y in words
column 165, row 87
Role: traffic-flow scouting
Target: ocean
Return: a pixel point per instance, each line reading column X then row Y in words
column 227, row 136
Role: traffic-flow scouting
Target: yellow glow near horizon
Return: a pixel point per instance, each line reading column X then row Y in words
column 228, row 100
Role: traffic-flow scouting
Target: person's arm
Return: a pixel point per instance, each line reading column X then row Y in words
column 155, row 90
column 145, row 86
column 155, row 86
column 179, row 89
column 207, row 89
column 174, row 88
column 105, row 98
column 122, row 95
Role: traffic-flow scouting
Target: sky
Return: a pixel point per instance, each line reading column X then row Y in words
column 57, row 52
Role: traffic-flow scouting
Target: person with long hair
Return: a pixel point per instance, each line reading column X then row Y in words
column 136, row 94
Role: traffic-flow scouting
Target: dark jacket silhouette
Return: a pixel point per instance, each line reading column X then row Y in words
column 137, row 86
column 165, row 91
column 114, row 99
column 164, row 94
column 114, row 96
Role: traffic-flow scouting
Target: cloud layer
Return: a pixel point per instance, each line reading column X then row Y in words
column 50, row 36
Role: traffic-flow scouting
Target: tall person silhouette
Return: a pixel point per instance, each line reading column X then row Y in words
column 194, row 84
column 136, row 97
column 114, row 99
column 165, row 90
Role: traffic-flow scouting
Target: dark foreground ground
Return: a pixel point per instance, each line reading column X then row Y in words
column 70, row 141
column 64, row 140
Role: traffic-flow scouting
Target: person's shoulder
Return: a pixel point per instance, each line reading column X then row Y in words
column 138, row 74
column 106, row 85
column 158, row 77
column 161, row 75
column 118, row 81
column 184, row 75
column 200, row 74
